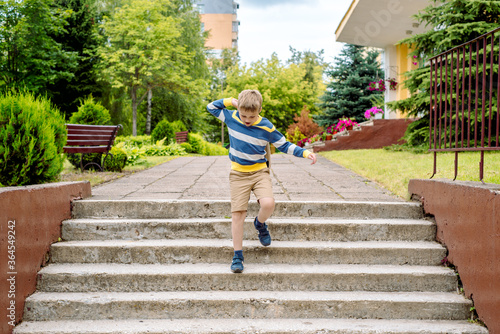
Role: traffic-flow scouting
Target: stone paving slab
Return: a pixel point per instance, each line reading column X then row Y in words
column 294, row 179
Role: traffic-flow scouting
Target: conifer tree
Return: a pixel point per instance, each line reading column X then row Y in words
column 80, row 36
column 347, row 94
column 450, row 23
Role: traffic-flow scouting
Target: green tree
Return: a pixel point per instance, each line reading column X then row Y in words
column 29, row 55
column 80, row 36
column 347, row 94
column 144, row 50
column 450, row 23
column 283, row 88
column 313, row 62
column 218, row 70
column 183, row 105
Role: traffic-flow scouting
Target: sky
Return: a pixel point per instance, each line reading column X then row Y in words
column 268, row 26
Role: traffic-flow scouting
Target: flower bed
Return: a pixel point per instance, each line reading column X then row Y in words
column 372, row 112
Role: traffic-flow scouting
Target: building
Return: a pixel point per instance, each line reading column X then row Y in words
column 219, row 18
column 382, row 24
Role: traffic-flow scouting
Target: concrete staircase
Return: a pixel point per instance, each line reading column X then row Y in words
column 163, row 267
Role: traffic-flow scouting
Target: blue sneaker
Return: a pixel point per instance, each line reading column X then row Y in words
column 237, row 264
column 264, row 236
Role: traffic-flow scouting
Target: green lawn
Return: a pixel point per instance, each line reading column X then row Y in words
column 393, row 170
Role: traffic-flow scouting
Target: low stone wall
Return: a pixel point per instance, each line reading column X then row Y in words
column 383, row 132
column 467, row 215
column 30, row 221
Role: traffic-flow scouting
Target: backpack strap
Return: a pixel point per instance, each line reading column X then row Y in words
column 268, row 155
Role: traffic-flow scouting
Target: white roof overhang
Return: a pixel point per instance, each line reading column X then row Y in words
column 380, row 23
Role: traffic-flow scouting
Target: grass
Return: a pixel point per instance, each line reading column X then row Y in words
column 70, row 173
column 393, row 170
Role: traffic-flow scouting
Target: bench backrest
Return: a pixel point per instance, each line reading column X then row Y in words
column 99, row 138
column 181, row 137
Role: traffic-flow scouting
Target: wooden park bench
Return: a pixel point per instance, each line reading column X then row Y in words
column 181, row 137
column 85, row 139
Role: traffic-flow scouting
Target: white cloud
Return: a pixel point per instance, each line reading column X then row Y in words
column 304, row 25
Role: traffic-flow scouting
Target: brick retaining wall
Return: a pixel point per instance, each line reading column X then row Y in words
column 383, row 132
column 467, row 215
column 30, row 221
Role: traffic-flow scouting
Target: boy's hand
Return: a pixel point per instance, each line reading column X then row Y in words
column 312, row 156
column 234, row 102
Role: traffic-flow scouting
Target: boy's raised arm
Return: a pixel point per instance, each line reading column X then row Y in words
column 234, row 102
column 216, row 107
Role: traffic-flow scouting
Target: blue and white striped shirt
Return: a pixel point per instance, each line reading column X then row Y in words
column 248, row 143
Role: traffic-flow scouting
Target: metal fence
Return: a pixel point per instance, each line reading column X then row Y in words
column 464, row 99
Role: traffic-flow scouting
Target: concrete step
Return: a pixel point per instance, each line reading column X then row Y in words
column 44, row 306
column 270, row 277
column 240, row 326
column 284, row 229
column 178, row 209
column 221, row 251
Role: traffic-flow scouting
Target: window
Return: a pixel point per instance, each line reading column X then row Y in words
column 217, row 53
column 235, row 26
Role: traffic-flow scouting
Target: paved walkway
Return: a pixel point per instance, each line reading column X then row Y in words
column 294, row 179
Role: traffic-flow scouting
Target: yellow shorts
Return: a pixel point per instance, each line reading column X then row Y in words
column 243, row 183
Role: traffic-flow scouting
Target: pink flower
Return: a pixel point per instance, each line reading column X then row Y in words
column 344, row 123
column 377, row 85
column 372, row 111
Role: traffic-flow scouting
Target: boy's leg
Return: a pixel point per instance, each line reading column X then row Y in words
column 266, row 209
column 237, row 222
column 240, row 194
column 238, row 219
column 264, row 193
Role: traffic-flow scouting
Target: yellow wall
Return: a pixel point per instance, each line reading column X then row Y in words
column 220, row 27
column 405, row 64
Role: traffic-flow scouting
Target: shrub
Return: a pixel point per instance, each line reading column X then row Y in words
column 175, row 149
column 136, row 154
column 197, row 143
column 214, row 149
column 32, row 135
column 93, row 113
column 187, row 147
column 178, row 126
column 164, row 129
column 417, row 133
column 305, row 124
column 159, row 149
column 137, row 141
column 296, row 137
column 117, row 161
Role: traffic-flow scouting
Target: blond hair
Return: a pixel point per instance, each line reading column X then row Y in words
column 250, row 100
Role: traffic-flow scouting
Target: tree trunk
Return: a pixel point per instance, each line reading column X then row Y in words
column 134, row 111
column 148, row 115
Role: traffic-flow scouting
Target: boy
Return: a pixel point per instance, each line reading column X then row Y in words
column 249, row 134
